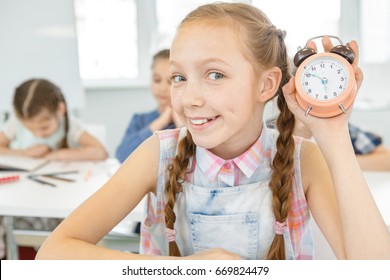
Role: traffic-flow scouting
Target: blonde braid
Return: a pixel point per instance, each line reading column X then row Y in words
column 177, row 173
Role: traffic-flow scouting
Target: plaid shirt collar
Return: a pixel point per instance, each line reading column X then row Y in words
column 248, row 162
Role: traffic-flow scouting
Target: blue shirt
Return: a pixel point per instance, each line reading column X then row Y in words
column 137, row 132
column 363, row 142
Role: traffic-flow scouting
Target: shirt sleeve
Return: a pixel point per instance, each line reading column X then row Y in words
column 135, row 134
column 74, row 132
column 10, row 127
column 363, row 142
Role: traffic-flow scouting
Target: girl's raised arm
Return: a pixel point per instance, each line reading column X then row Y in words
column 364, row 233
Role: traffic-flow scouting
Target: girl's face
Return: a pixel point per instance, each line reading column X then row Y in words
column 161, row 84
column 44, row 123
column 214, row 89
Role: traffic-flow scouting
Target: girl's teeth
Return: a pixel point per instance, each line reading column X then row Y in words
column 198, row 122
column 201, row 121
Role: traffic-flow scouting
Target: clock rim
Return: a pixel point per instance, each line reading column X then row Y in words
column 325, row 103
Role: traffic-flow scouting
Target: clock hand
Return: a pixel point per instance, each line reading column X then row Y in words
column 316, row 76
column 324, row 81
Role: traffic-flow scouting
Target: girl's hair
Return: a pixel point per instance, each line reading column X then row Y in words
column 35, row 95
column 163, row 54
column 263, row 45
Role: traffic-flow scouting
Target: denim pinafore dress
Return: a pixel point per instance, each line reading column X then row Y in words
column 238, row 219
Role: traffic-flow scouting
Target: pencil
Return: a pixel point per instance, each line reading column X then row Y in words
column 41, row 181
column 58, row 173
column 57, row 178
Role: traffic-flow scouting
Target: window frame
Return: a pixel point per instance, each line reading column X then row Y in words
column 147, row 30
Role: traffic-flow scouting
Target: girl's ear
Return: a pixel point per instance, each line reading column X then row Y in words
column 269, row 84
column 61, row 109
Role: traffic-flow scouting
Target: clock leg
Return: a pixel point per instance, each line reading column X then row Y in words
column 341, row 106
column 308, row 110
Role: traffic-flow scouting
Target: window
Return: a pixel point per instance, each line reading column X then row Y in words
column 170, row 14
column 111, row 47
column 117, row 38
column 107, row 39
column 302, row 19
column 374, row 33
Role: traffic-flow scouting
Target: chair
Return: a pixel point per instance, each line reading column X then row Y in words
column 98, row 131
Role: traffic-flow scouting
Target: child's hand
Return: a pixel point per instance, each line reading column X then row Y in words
column 163, row 120
column 315, row 125
column 56, row 155
column 323, row 125
column 327, row 44
column 214, row 254
column 37, row 151
column 176, row 119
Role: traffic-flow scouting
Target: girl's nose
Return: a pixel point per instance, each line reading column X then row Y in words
column 193, row 95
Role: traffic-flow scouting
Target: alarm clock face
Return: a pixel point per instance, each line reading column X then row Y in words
column 324, row 78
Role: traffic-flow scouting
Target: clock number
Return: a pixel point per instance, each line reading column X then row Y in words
column 339, row 71
column 316, row 96
column 309, row 90
column 342, row 79
column 334, row 93
column 322, row 65
column 340, row 87
column 313, row 69
column 307, row 75
column 325, row 97
column 306, row 83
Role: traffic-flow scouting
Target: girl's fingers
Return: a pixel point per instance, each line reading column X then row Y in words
column 358, row 72
column 312, row 45
column 355, row 48
column 327, row 43
column 289, row 95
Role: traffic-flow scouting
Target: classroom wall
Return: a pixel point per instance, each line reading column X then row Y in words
column 114, row 108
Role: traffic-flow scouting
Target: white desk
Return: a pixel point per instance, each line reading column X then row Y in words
column 28, row 198
column 379, row 183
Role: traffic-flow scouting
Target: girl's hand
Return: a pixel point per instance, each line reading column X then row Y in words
column 176, row 119
column 57, row 155
column 214, row 254
column 37, row 151
column 327, row 44
column 163, row 120
column 323, row 125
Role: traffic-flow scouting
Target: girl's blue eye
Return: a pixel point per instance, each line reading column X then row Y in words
column 177, row 79
column 215, row 76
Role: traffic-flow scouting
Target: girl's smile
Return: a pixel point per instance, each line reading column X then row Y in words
column 201, row 122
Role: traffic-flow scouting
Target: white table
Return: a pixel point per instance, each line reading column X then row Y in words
column 379, row 183
column 31, row 199
column 27, row 198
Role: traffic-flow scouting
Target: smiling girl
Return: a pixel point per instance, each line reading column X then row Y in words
column 225, row 186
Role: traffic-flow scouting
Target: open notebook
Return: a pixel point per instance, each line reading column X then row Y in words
column 21, row 163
